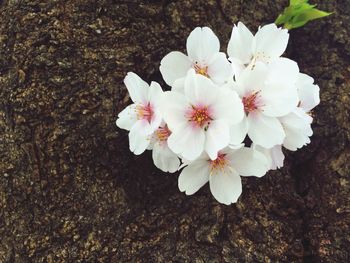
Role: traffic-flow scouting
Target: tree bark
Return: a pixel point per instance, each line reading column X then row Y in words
column 70, row 190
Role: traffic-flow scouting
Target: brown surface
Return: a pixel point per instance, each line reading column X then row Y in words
column 70, row 190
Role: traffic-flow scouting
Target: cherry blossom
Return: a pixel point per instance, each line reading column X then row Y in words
column 204, row 56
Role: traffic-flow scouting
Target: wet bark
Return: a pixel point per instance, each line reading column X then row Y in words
column 70, row 190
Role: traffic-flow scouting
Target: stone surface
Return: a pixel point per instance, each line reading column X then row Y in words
column 70, row 190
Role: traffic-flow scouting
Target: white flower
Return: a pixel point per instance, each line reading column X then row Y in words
column 223, row 173
column 204, row 56
column 200, row 117
column 274, row 155
column 163, row 157
column 297, row 124
column 244, row 48
column 267, row 92
column 143, row 117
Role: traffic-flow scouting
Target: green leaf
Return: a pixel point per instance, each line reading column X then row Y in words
column 298, row 13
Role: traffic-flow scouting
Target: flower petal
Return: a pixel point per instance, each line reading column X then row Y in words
column 252, row 79
column 274, row 155
column 271, row 41
column 164, row 158
column 309, row 94
column 173, row 107
column 217, row 138
column 228, row 106
column 187, row 141
column 139, row 138
column 265, row 131
column 240, row 45
column 219, row 68
column 137, row 88
column 238, row 132
column 193, row 177
column 199, row 90
column 174, row 66
column 202, row 44
column 249, row 162
column 127, row 118
column 226, row 187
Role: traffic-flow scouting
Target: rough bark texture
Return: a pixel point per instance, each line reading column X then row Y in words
column 70, row 190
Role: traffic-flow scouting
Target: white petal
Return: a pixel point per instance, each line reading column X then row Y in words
column 228, row 106
column 240, row 45
column 219, row 68
column 271, row 41
column 265, row 131
column 249, row 162
column 138, row 138
column 199, row 90
column 173, row 107
column 179, row 85
column 174, row 66
column 237, row 66
column 252, row 79
column 226, row 187
column 278, row 100
column 283, row 71
column 202, row 44
column 137, row 88
column 187, row 141
column 217, row 137
column 164, row 158
column 238, row 132
column 274, row 155
column 193, row 177
column 309, row 94
column 127, row 118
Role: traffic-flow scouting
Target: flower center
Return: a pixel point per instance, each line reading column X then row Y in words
column 162, row 134
column 144, row 112
column 200, row 116
column 201, row 70
column 219, row 164
column 251, row 102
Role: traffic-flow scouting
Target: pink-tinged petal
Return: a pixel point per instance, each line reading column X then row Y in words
column 271, row 41
column 173, row 107
column 193, row 177
column 127, row 118
column 220, row 69
column 199, row 90
column 226, row 187
column 238, row 132
column 265, row 131
column 217, row 138
column 202, row 44
column 249, row 162
column 228, row 106
column 164, row 158
column 309, row 94
column 187, row 141
column 137, row 88
column 174, row 66
column 139, row 137
column 240, row 46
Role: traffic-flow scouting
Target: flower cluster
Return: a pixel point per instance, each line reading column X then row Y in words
column 224, row 117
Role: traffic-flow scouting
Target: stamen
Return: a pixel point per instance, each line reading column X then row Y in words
column 144, row 112
column 250, row 102
column 162, row 134
column 201, row 70
column 220, row 164
column 200, row 116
